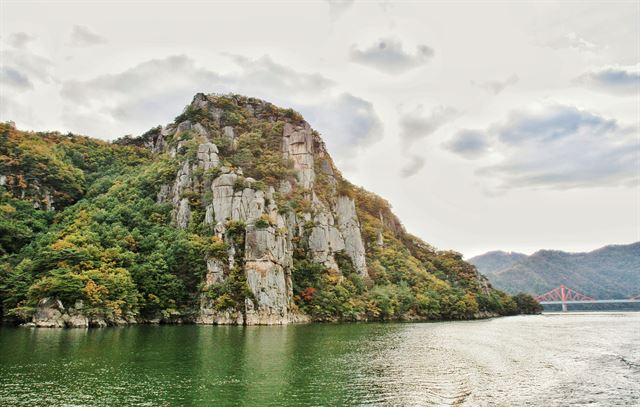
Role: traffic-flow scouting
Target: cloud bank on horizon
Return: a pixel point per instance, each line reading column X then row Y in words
column 516, row 110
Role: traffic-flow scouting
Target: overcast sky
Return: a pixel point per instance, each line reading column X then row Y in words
column 487, row 126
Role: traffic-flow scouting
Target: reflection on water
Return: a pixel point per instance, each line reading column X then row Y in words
column 535, row 360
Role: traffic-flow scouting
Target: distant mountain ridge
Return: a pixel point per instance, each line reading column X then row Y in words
column 609, row 272
column 496, row 260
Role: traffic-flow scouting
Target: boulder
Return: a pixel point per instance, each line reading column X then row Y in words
column 77, row 320
column 49, row 313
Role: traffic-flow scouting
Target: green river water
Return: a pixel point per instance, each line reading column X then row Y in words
column 571, row 359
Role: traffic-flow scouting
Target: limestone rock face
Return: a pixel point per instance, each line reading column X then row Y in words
column 78, row 321
column 206, row 159
column 49, row 314
column 349, row 227
column 183, row 181
column 208, row 155
column 297, row 145
column 201, row 130
column 270, row 234
column 183, row 216
column 215, row 272
column 223, row 194
column 325, row 239
column 210, row 316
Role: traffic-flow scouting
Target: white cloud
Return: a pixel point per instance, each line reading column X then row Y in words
column 418, row 124
column 82, row 36
column 388, row 55
column 28, row 64
column 413, row 164
column 265, row 78
column 338, row 7
column 20, row 39
column 495, row 86
column 572, row 40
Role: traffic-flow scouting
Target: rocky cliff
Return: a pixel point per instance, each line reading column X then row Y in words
column 232, row 214
column 330, row 225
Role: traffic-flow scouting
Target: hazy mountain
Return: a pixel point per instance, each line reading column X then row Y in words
column 609, row 272
column 497, row 260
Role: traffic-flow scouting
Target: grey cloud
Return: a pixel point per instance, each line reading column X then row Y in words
column 20, row 39
column 414, row 164
column 338, row 7
column 418, row 124
column 12, row 77
column 153, row 92
column 496, row 87
column 618, row 81
column 264, row 77
column 150, row 77
column 14, row 108
column 23, row 68
column 562, row 147
column 82, row 36
column 550, row 124
column 347, row 123
column 135, row 99
column 388, row 55
column 470, row 144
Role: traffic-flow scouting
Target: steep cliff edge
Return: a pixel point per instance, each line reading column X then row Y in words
column 232, row 214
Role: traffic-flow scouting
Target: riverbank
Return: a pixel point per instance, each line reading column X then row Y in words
column 51, row 313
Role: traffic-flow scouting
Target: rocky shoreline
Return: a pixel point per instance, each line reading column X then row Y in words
column 51, row 313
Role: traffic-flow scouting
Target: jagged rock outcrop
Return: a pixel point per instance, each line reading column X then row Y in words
column 51, row 313
column 268, row 238
column 349, row 227
column 297, row 145
column 267, row 265
column 208, row 155
column 325, row 239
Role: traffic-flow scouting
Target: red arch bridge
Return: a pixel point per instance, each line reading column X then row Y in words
column 565, row 295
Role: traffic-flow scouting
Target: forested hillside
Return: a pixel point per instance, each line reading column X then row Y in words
column 495, row 261
column 233, row 213
column 609, row 272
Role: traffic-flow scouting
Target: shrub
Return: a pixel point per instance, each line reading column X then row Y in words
column 263, row 222
column 526, row 304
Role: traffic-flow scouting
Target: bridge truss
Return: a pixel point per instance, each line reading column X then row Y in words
column 564, row 295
